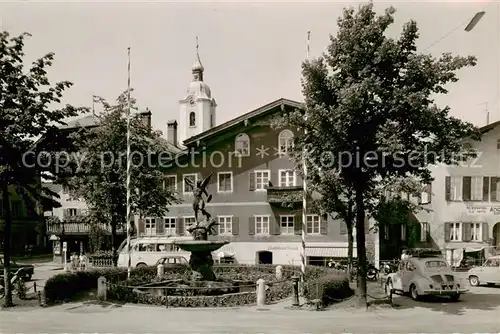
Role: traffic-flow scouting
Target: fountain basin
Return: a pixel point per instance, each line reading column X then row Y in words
column 200, row 245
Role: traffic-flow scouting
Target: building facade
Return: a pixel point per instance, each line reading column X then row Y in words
column 27, row 231
column 464, row 213
column 256, row 193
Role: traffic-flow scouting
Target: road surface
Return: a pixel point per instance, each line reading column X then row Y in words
column 476, row 312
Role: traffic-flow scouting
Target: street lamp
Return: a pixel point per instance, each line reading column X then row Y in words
column 474, row 21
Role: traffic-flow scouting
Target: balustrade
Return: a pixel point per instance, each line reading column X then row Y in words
column 73, row 227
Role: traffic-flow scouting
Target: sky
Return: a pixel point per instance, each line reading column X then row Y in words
column 251, row 51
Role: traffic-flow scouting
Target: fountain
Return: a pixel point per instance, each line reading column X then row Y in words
column 201, row 248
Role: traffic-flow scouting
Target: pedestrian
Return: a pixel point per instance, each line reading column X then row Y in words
column 83, row 261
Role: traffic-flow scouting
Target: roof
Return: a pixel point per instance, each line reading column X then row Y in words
column 489, row 127
column 261, row 111
column 82, row 122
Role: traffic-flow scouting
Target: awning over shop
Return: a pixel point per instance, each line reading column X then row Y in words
column 335, row 252
column 469, row 247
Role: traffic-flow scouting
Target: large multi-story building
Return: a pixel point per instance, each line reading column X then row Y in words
column 464, row 212
column 257, row 194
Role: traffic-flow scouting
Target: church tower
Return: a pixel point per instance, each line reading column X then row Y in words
column 197, row 109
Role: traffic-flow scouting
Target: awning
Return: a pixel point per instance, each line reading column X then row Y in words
column 336, row 252
column 469, row 247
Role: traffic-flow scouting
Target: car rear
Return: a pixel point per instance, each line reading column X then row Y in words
column 443, row 285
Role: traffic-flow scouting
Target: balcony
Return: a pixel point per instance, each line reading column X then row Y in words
column 284, row 195
column 74, row 228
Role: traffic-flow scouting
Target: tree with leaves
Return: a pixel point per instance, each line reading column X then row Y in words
column 371, row 114
column 28, row 111
column 101, row 179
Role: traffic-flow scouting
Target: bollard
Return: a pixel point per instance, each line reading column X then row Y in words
column 101, row 288
column 261, row 292
column 160, row 270
column 34, row 287
column 279, row 273
column 295, row 297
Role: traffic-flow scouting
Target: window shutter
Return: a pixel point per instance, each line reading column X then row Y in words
column 367, row 225
column 466, row 188
column 493, row 189
column 141, row 226
column 423, row 232
column 251, row 176
column 486, row 188
column 251, row 225
column 65, row 213
column 429, row 189
column 485, row 231
column 323, row 225
column 466, row 232
column 447, row 232
column 447, row 188
column 78, row 212
column 179, row 227
column 275, row 225
column 216, row 228
column 343, row 227
column 160, row 225
column 235, row 226
column 297, row 225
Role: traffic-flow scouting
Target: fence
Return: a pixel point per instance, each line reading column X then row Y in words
column 100, row 262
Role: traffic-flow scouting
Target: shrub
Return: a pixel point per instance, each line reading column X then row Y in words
column 21, row 289
column 331, row 287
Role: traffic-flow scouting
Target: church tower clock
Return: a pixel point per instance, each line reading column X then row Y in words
column 197, row 109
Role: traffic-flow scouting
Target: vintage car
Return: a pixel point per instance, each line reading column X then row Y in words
column 25, row 271
column 420, row 276
column 488, row 273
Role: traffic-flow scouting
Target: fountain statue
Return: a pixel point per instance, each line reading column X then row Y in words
column 201, row 248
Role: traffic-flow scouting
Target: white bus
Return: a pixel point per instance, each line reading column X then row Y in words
column 146, row 251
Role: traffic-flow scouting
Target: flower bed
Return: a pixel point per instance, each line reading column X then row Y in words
column 68, row 285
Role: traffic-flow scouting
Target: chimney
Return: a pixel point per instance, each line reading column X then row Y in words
column 146, row 118
column 172, row 132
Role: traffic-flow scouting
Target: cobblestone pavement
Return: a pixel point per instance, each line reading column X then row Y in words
column 476, row 312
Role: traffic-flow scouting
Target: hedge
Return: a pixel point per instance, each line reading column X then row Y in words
column 67, row 286
column 330, row 287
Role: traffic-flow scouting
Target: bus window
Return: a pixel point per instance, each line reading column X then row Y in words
column 151, row 248
column 141, row 247
column 161, row 248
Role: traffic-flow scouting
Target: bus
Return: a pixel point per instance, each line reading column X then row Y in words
column 146, row 251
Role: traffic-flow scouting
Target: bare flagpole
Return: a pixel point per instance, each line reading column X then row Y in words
column 304, row 195
column 129, row 224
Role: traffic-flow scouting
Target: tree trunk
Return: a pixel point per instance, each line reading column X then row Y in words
column 113, row 240
column 361, row 250
column 6, row 245
column 350, row 242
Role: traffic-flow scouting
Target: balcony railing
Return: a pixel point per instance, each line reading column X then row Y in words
column 77, row 228
column 278, row 195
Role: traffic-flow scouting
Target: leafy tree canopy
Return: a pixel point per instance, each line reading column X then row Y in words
column 29, row 110
column 371, row 116
column 101, row 173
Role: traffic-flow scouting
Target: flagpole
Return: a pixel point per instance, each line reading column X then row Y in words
column 304, row 194
column 129, row 227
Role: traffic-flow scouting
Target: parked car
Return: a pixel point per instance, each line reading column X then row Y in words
column 488, row 273
column 172, row 260
column 26, row 270
column 421, row 276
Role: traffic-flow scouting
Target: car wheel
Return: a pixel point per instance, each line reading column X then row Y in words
column 141, row 265
column 388, row 287
column 413, row 292
column 455, row 297
column 473, row 280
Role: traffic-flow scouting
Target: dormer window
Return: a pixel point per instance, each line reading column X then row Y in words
column 242, row 145
column 285, row 141
column 192, row 119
